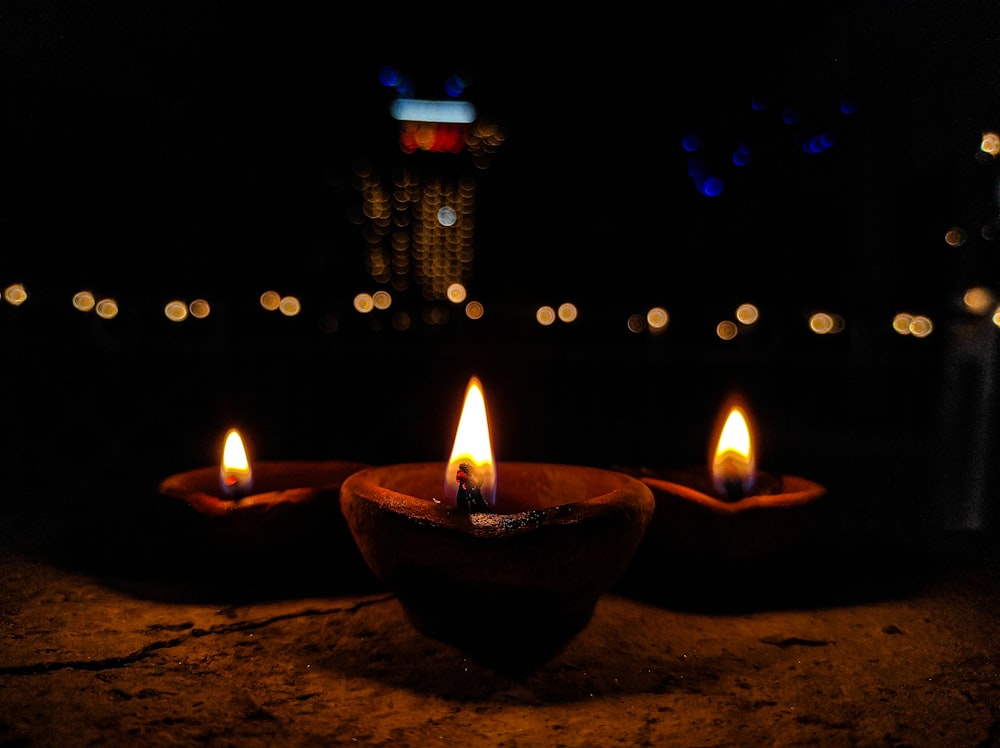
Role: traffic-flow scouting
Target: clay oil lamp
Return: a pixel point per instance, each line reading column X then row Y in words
column 728, row 509
column 485, row 553
column 261, row 514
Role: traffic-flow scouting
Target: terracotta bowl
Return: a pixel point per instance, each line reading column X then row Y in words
column 691, row 520
column 532, row 571
column 290, row 522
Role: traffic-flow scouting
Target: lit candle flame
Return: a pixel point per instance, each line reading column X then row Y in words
column 733, row 463
column 235, row 475
column 472, row 452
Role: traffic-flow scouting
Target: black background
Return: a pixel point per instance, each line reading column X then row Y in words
column 154, row 150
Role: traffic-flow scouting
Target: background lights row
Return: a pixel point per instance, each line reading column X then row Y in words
column 978, row 301
column 546, row 315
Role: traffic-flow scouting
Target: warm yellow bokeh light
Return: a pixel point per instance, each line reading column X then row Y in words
column 955, row 236
column 474, row 310
column 175, row 311
column 364, row 303
column 979, row 300
column 270, row 300
column 290, row 306
column 567, row 312
column 921, row 326
column 901, row 323
column 456, row 293
column 107, row 308
column 990, row 143
column 726, row 330
column 826, row 323
column 199, row 309
column 545, row 315
column 657, row 318
column 382, row 299
column 84, row 301
column 747, row 314
column 15, row 294
column 821, row 323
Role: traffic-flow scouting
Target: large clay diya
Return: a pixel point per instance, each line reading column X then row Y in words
column 728, row 510
column 271, row 515
column 491, row 557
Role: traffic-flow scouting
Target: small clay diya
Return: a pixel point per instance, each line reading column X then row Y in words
column 290, row 519
column 532, row 569
column 693, row 520
column 729, row 509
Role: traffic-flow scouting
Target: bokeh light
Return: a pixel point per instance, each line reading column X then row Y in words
column 747, row 314
column 826, row 323
column 474, row 310
column 84, row 301
column 917, row 325
column 290, row 306
column 199, row 308
column 657, row 318
column 15, row 294
column 270, row 300
column 107, row 308
column 545, row 315
column 568, row 312
column 979, row 300
column 990, row 143
column 726, row 330
column 175, row 311
column 956, row 236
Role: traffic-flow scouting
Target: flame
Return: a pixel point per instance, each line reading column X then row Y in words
column 733, row 463
column 235, row 475
column 472, row 447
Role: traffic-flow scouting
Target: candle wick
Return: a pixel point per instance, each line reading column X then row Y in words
column 733, row 488
column 470, row 495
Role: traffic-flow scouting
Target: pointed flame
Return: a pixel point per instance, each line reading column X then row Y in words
column 235, row 475
column 472, row 447
column 733, row 463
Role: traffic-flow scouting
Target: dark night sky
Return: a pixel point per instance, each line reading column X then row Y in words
column 174, row 137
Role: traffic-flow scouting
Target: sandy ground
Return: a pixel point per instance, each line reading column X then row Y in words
column 898, row 648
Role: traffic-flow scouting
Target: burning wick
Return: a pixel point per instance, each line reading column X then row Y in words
column 235, row 476
column 732, row 466
column 470, row 496
column 733, row 489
